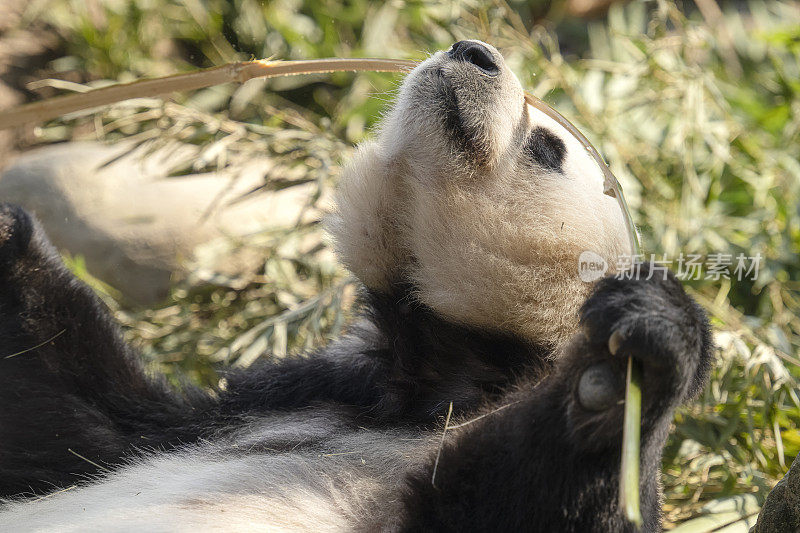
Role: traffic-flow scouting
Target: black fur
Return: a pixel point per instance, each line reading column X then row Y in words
column 453, row 121
column 547, row 464
column 545, row 149
column 71, row 390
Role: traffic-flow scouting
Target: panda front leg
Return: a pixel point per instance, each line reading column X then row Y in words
column 548, row 458
column 74, row 396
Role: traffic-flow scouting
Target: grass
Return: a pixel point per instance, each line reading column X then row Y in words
column 699, row 117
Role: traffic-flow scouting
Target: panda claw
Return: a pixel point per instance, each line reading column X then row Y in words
column 615, row 341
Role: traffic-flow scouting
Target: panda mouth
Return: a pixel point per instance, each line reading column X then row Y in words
column 452, row 116
column 449, row 99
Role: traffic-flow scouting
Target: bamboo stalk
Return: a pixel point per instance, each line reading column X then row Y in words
column 631, row 435
column 232, row 72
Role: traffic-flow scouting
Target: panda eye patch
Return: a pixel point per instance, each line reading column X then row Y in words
column 546, row 149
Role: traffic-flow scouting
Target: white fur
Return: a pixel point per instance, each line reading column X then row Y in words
column 240, row 484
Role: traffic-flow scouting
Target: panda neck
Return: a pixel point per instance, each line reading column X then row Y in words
column 433, row 361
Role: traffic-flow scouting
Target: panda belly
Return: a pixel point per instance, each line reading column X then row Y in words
column 296, row 472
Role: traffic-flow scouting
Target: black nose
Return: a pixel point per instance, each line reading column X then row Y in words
column 477, row 54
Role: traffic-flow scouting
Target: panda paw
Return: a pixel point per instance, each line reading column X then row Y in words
column 655, row 322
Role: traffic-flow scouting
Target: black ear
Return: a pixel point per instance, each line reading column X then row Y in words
column 546, row 149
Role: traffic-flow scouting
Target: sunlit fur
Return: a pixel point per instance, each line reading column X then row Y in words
column 331, row 481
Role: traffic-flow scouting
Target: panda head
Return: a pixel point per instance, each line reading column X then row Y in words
column 478, row 200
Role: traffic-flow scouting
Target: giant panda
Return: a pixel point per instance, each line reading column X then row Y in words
column 481, row 388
